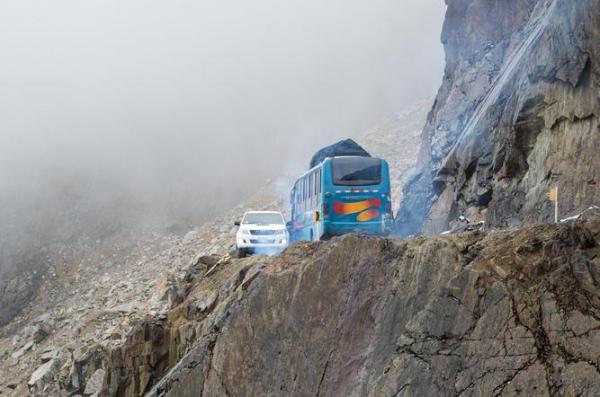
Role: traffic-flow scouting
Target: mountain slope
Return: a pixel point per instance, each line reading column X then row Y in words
column 93, row 298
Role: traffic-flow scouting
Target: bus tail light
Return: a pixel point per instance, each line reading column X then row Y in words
column 325, row 211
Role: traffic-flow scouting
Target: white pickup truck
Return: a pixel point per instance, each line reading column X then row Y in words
column 262, row 232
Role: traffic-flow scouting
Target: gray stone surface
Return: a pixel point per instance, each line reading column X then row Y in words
column 499, row 313
column 517, row 113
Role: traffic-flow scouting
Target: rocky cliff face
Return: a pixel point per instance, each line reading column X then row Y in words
column 499, row 313
column 518, row 112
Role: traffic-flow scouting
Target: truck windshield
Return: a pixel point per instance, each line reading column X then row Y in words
column 356, row 171
column 263, row 219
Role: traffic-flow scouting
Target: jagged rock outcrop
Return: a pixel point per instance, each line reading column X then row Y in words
column 499, row 313
column 513, row 312
column 517, row 113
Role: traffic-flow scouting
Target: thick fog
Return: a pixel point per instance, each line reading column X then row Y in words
column 116, row 112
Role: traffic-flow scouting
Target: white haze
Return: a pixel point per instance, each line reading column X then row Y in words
column 134, row 110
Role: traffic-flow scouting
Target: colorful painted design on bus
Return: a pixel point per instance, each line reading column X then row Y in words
column 343, row 208
column 342, row 195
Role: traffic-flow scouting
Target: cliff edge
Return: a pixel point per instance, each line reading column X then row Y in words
column 501, row 313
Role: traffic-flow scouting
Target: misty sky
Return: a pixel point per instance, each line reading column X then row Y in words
column 183, row 101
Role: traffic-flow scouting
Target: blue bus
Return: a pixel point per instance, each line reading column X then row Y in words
column 342, row 195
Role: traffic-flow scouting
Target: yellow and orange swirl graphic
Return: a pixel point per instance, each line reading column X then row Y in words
column 364, row 208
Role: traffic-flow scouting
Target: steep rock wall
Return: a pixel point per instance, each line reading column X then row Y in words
column 518, row 112
column 513, row 312
column 501, row 313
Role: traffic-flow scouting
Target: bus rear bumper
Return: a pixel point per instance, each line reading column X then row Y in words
column 379, row 228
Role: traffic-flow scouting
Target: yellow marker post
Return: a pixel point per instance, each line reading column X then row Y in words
column 553, row 196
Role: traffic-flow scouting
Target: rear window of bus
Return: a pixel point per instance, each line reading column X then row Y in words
column 356, row 171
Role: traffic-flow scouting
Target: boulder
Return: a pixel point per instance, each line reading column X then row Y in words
column 40, row 333
column 49, row 354
column 167, row 292
column 95, row 384
column 19, row 353
column 42, row 377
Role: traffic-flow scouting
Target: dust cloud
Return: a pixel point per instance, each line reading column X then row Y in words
column 127, row 114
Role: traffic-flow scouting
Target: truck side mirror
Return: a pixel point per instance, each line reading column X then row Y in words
column 237, row 223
